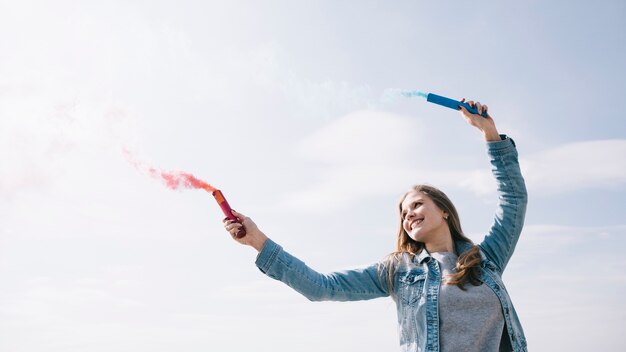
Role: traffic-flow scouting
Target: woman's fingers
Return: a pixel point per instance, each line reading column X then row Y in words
column 479, row 107
column 233, row 228
column 237, row 227
column 484, row 123
column 239, row 216
column 231, row 225
column 475, row 105
column 466, row 114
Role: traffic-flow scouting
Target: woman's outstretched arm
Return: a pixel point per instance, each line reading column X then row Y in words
column 348, row 285
column 504, row 233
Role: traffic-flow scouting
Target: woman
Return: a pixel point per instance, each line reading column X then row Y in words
column 448, row 292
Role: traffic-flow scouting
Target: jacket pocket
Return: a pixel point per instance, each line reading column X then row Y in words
column 411, row 287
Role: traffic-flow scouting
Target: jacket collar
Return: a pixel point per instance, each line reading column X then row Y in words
column 460, row 247
column 422, row 256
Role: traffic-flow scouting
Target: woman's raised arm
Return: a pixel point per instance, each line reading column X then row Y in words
column 504, row 233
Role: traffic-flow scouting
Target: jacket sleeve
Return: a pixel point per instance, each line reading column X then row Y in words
column 500, row 242
column 349, row 285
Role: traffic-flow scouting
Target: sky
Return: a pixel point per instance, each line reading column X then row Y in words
column 282, row 105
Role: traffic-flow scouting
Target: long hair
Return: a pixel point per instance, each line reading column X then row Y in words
column 468, row 264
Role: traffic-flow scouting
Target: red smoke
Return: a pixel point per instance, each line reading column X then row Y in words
column 172, row 179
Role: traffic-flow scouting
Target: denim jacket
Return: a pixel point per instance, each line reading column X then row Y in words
column 417, row 278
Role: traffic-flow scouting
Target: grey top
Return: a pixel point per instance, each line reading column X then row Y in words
column 469, row 320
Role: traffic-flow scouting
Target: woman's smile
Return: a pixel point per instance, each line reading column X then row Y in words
column 415, row 223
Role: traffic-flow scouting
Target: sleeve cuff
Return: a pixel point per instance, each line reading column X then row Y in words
column 503, row 146
column 267, row 255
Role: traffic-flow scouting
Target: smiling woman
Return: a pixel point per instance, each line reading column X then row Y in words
column 448, row 291
column 423, row 220
column 428, row 218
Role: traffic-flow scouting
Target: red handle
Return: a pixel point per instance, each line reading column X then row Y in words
column 219, row 197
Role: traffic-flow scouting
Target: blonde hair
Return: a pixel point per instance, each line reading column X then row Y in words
column 468, row 264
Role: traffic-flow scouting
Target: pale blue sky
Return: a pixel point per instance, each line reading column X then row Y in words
column 281, row 105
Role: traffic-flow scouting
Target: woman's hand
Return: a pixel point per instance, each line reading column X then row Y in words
column 254, row 237
column 484, row 124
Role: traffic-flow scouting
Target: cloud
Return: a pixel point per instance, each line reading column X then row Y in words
column 365, row 154
column 362, row 137
column 361, row 154
column 592, row 164
column 550, row 238
column 566, row 168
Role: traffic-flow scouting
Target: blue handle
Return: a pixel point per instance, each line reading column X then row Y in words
column 451, row 103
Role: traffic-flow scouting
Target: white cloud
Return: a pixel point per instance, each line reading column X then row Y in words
column 481, row 182
column 539, row 240
column 363, row 137
column 361, row 154
column 592, row 164
column 570, row 167
column 546, row 238
column 364, row 153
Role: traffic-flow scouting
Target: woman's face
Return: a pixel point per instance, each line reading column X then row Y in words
column 422, row 219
